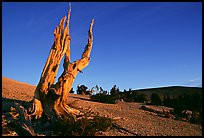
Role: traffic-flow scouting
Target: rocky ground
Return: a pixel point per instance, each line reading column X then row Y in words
column 132, row 120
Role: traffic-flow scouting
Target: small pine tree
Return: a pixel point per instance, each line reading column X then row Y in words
column 81, row 89
column 71, row 91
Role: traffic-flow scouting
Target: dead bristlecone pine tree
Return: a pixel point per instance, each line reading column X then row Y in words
column 51, row 99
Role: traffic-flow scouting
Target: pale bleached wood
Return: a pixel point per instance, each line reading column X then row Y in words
column 50, row 98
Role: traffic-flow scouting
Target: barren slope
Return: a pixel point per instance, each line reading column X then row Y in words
column 17, row 90
column 133, row 120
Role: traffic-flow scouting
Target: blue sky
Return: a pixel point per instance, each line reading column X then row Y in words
column 136, row 44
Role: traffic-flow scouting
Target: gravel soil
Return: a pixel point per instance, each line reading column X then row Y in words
column 132, row 120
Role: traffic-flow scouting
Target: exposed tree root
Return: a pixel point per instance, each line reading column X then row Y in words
column 36, row 109
column 26, row 125
column 21, row 121
column 65, row 109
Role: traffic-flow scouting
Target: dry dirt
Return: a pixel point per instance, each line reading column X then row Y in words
column 128, row 115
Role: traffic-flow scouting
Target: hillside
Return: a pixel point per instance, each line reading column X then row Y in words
column 132, row 120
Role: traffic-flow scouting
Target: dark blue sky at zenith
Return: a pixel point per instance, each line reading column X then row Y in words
column 136, row 44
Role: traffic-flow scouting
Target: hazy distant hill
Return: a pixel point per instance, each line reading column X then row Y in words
column 171, row 90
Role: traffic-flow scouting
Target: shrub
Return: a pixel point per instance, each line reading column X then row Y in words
column 196, row 118
column 100, row 97
column 141, row 98
column 82, row 127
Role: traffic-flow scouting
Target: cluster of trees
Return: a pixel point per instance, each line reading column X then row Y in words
column 115, row 94
column 191, row 102
column 127, row 96
column 180, row 103
column 84, row 90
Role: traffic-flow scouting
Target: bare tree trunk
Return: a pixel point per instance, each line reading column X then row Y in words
column 50, row 98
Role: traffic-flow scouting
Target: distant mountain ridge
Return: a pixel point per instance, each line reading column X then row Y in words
column 170, row 90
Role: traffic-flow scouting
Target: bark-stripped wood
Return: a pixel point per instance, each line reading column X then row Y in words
column 21, row 121
column 50, row 98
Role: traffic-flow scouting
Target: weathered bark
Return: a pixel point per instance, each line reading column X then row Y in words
column 50, row 98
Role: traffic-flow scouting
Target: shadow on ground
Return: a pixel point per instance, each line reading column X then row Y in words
column 7, row 103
